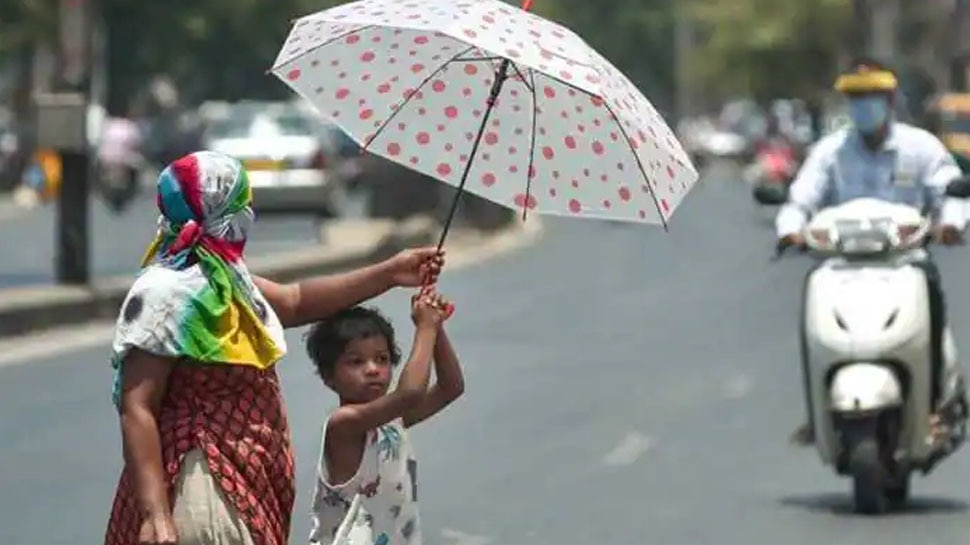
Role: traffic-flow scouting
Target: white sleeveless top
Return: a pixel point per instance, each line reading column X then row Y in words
column 386, row 482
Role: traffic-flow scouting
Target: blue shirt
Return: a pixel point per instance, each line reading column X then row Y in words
column 912, row 167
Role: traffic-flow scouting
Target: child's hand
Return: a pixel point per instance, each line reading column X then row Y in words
column 428, row 308
column 447, row 306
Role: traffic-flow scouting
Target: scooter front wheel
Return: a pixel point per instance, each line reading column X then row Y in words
column 868, row 477
column 898, row 493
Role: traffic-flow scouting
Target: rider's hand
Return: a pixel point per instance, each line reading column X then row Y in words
column 939, row 431
column 948, row 234
column 794, row 239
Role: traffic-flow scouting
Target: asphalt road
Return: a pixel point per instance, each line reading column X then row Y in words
column 624, row 385
column 28, row 239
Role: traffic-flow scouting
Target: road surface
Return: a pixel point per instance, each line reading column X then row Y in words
column 624, row 386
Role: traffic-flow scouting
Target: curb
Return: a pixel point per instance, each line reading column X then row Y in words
column 35, row 309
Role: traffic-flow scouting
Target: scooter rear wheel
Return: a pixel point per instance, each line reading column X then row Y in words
column 868, row 477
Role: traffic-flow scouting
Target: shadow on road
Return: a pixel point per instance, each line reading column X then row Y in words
column 841, row 504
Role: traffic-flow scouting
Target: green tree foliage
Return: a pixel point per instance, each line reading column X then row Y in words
column 222, row 48
column 212, row 48
column 637, row 36
column 768, row 48
column 24, row 23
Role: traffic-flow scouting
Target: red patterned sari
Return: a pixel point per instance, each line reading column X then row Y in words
column 234, row 414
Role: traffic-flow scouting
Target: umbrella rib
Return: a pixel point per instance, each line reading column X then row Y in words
column 400, row 108
column 324, row 44
column 500, row 77
column 567, row 84
column 532, row 143
column 477, row 59
column 522, row 77
column 643, row 171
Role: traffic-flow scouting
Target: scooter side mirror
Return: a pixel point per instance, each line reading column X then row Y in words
column 770, row 195
column 959, row 188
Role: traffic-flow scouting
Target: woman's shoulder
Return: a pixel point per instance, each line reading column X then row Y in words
column 160, row 278
column 159, row 287
column 159, row 281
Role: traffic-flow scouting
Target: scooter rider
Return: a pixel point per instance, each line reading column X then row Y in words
column 878, row 157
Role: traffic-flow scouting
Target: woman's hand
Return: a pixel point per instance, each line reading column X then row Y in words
column 415, row 267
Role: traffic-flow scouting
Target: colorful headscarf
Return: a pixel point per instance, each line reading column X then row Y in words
column 195, row 299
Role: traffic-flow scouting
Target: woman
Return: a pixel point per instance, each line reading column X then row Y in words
column 206, row 443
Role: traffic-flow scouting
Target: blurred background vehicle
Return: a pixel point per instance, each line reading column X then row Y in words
column 948, row 116
column 392, row 191
column 292, row 158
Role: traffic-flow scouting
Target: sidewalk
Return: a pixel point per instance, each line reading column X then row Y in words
column 29, row 238
column 8, row 208
column 350, row 243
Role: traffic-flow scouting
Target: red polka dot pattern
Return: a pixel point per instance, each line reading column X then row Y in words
column 410, row 79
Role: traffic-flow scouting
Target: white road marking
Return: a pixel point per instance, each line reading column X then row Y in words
column 455, row 537
column 630, row 449
column 63, row 340
column 738, row 387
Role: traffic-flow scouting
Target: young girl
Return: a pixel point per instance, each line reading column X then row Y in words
column 366, row 459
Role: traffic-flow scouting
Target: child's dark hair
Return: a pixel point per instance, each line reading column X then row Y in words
column 328, row 339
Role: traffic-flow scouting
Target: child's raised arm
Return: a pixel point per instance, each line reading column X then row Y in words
column 449, row 383
column 354, row 420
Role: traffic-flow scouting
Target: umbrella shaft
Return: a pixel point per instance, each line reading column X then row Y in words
column 500, row 75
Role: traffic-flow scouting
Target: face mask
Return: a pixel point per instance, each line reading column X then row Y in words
column 869, row 114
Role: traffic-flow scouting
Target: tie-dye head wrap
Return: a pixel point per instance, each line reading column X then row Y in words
column 195, row 299
column 205, row 200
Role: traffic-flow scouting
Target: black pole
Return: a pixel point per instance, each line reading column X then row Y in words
column 500, row 76
column 72, row 220
column 72, row 263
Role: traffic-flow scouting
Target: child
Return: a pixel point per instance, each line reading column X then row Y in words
column 365, row 454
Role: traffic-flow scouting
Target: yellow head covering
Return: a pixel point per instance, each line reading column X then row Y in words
column 867, row 79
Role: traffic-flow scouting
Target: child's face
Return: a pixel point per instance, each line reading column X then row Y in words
column 364, row 371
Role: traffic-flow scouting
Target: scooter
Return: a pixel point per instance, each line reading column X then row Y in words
column 118, row 182
column 871, row 381
column 772, row 172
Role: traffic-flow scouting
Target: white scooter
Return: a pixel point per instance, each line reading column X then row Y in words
column 871, row 384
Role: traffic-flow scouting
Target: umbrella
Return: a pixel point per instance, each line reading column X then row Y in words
column 492, row 99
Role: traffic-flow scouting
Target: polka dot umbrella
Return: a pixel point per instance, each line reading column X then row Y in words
column 492, row 99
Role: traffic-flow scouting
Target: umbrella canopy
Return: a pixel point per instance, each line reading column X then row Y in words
column 493, row 99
